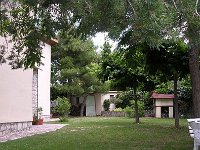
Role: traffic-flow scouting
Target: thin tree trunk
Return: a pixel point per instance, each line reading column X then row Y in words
column 136, row 106
column 176, row 101
column 83, row 106
column 195, row 78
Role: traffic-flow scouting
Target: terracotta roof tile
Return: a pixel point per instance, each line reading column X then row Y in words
column 162, row 96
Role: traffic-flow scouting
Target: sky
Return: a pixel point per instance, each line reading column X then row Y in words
column 99, row 40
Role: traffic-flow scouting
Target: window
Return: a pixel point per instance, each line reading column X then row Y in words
column 112, row 97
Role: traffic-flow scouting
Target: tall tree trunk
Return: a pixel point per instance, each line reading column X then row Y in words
column 176, row 101
column 137, row 120
column 195, row 77
column 83, row 106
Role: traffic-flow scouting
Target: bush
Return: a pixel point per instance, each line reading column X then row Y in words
column 106, row 104
column 63, row 119
column 123, row 99
column 118, row 109
column 62, row 108
column 140, row 107
column 129, row 112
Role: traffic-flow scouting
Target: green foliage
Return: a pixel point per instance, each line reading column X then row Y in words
column 39, row 112
column 118, row 109
column 123, row 99
column 140, row 107
column 169, row 59
column 64, row 119
column 148, row 103
column 106, row 104
column 62, row 107
column 74, row 68
column 163, row 88
column 185, row 102
column 184, row 93
column 130, row 110
column 106, row 61
column 123, row 67
column 185, row 98
column 27, row 23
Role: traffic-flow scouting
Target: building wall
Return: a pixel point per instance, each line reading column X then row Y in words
column 98, row 99
column 158, row 112
column 44, row 80
column 171, row 112
column 15, row 92
column 107, row 96
column 98, row 104
column 164, row 102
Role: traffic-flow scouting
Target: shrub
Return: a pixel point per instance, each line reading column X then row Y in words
column 140, row 107
column 118, row 109
column 106, row 104
column 62, row 108
column 129, row 112
column 123, row 99
column 63, row 119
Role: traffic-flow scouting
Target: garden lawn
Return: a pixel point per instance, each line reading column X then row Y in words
column 109, row 133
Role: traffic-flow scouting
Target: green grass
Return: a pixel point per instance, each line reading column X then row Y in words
column 109, row 134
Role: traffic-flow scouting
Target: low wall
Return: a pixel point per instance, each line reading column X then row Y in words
column 112, row 114
column 6, row 128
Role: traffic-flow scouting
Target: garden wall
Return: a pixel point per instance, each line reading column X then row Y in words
column 6, row 128
column 112, row 114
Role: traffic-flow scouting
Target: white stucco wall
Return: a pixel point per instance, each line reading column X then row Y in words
column 158, row 112
column 99, row 99
column 15, row 92
column 107, row 96
column 171, row 112
column 164, row 102
column 44, row 75
column 15, row 95
column 98, row 104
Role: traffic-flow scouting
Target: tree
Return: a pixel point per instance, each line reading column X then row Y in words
column 125, row 69
column 30, row 23
column 72, row 67
column 170, row 62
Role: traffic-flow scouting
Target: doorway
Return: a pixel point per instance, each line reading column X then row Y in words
column 90, row 106
column 165, row 112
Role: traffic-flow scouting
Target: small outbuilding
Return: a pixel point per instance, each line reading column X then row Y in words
column 94, row 102
column 163, row 105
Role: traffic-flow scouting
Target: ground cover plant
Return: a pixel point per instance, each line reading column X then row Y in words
column 109, row 133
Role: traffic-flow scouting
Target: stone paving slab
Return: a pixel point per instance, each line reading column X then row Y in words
column 35, row 129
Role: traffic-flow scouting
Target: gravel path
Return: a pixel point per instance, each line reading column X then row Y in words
column 36, row 129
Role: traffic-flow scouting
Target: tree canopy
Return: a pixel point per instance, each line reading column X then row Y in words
column 27, row 23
